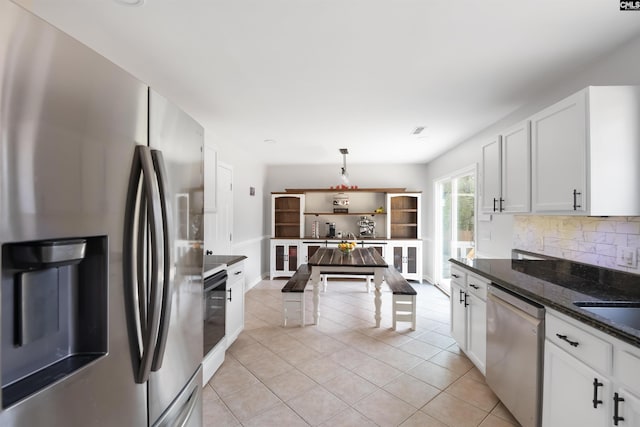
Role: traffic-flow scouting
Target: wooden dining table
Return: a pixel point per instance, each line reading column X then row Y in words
column 361, row 261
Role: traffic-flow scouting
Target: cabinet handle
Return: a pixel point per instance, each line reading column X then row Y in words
column 575, row 200
column 494, row 204
column 465, row 299
column 616, row 399
column 455, row 275
column 474, row 286
column 596, row 401
column 564, row 338
column 237, row 272
column 208, row 252
column 501, row 200
column 462, row 297
column 229, row 295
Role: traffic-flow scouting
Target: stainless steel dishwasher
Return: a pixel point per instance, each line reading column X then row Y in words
column 515, row 340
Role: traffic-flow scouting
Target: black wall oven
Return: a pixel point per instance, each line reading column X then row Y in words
column 215, row 291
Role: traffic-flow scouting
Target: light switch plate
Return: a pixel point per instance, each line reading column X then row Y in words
column 627, row 257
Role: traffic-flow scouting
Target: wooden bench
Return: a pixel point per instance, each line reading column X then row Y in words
column 404, row 297
column 293, row 294
column 368, row 277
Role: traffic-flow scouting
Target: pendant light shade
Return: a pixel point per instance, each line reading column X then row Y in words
column 344, row 175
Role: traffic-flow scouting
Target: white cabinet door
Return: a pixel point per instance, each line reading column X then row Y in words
column 458, row 316
column 406, row 257
column 308, row 249
column 477, row 331
column 516, row 169
column 234, row 322
column 558, row 155
column 491, row 164
column 628, row 409
column 285, row 258
column 568, row 397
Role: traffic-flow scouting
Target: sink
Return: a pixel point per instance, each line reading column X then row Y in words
column 621, row 312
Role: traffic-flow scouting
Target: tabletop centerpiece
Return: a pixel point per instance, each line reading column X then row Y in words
column 346, row 247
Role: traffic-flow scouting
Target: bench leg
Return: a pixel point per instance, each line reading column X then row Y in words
column 404, row 310
column 325, row 282
column 293, row 303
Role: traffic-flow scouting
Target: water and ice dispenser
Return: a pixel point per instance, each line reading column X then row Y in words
column 54, row 311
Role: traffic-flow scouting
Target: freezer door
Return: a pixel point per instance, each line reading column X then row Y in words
column 176, row 140
column 69, row 121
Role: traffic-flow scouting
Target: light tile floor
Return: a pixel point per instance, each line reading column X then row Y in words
column 346, row 372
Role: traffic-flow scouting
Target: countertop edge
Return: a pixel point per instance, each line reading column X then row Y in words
column 620, row 332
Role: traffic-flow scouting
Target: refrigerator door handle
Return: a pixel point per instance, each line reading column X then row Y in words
column 167, row 294
column 142, row 310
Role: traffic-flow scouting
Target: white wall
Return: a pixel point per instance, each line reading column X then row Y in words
column 496, row 238
column 249, row 238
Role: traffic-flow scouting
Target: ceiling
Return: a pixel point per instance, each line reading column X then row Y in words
column 292, row 81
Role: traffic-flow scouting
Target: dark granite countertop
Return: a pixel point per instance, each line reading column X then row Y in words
column 229, row 260
column 557, row 284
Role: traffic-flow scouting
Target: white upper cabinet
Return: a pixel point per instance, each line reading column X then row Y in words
column 506, row 171
column 491, row 165
column 585, row 152
column 516, row 169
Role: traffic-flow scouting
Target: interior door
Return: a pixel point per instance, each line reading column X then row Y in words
column 224, row 216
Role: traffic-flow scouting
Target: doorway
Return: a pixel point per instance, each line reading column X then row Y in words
column 455, row 204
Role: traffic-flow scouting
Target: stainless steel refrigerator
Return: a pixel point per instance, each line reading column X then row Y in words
column 100, row 212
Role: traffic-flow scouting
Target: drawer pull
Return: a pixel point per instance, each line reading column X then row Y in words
column 455, row 276
column 596, row 401
column 237, row 272
column 616, row 399
column 474, row 286
column 564, row 338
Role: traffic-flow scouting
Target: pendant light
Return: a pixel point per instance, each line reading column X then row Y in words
column 344, row 175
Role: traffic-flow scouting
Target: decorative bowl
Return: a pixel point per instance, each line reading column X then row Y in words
column 346, row 247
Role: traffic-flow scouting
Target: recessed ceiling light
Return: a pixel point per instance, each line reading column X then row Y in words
column 270, row 141
column 418, row 130
column 133, row 3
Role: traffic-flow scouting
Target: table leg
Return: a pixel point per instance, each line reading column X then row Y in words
column 315, row 279
column 377, row 280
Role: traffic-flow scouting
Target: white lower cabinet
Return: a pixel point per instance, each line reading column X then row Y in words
column 234, row 318
column 569, row 390
column 458, row 316
column 590, row 378
column 406, row 257
column 477, row 333
column 469, row 315
column 284, row 259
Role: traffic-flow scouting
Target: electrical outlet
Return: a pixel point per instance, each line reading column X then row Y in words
column 627, row 257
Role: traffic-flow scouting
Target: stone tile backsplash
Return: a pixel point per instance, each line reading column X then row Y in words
column 590, row 240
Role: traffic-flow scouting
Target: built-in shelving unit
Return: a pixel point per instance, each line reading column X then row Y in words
column 287, row 218
column 404, row 216
column 301, row 209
